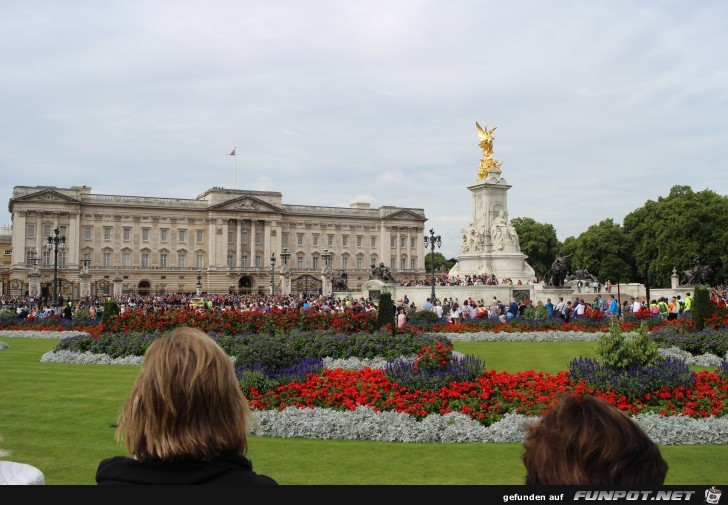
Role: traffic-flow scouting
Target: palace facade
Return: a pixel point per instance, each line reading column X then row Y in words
column 223, row 241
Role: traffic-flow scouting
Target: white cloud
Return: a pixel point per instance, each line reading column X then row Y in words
column 599, row 105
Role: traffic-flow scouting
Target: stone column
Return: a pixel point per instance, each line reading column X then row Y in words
column 118, row 287
column 84, row 279
column 34, row 284
column 238, row 244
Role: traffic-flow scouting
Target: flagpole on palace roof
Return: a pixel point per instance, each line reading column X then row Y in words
column 235, row 163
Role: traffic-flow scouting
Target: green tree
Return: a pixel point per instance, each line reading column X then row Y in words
column 602, row 251
column 538, row 241
column 441, row 263
column 670, row 232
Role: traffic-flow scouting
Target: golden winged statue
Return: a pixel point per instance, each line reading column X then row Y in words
column 486, row 139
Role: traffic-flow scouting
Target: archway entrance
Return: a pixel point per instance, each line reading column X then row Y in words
column 144, row 288
column 245, row 285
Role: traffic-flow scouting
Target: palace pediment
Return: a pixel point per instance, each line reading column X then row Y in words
column 248, row 204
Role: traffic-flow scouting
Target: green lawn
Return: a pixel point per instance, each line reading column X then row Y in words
column 60, row 418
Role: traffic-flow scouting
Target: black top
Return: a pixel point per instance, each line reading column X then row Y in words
column 227, row 470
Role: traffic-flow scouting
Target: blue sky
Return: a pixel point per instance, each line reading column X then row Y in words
column 599, row 105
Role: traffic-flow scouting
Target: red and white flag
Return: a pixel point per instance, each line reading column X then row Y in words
column 232, row 153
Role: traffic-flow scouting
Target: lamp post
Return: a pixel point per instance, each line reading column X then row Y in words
column 272, row 273
column 34, row 260
column 85, row 262
column 326, row 255
column 53, row 243
column 430, row 242
column 198, row 287
column 285, row 255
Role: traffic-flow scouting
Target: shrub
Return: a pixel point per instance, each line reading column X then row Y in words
column 111, row 309
column 538, row 311
column 702, row 307
column 8, row 315
column 385, row 311
column 423, row 318
column 618, row 352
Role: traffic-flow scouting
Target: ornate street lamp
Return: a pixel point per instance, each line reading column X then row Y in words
column 85, row 262
column 198, row 287
column 34, row 260
column 326, row 255
column 285, row 255
column 430, row 242
column 53, row 243
column 272, row 273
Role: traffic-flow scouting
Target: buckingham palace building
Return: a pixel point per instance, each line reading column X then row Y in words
column 223, row 241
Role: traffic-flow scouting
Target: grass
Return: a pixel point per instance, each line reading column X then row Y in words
column 60, row 418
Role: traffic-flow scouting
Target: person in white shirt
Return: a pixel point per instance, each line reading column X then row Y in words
column 636, row 306
column 438, row 309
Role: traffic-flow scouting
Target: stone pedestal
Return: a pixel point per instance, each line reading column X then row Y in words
column 84, row 279
column 34, row 284
column 490, row 244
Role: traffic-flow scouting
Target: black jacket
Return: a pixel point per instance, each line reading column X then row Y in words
column 228, row 470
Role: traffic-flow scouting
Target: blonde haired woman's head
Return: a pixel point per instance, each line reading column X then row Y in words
column 186, row 403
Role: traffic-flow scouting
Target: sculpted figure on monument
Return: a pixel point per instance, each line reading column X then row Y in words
column 699, row 274
column 486, row 139
column 382, row 273
column 501, row 231
column 556, row 275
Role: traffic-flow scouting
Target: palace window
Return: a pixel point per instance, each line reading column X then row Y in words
column 359, row 241
column 145, row 260
column 163, row 234
column 200, row 262
column 182, row 235
column 181, row 260
column 374, row 242
column 200, row 236
column 145, row 234
column 107, row 259
column 87, row 232
column 163, row 260
column 126, row 260
column 31, row 231
column 107, row 232
column 127, row 234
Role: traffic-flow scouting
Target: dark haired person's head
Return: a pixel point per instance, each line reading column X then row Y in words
column 584, row 440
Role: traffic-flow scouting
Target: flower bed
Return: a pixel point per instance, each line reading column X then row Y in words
column 352, row 401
